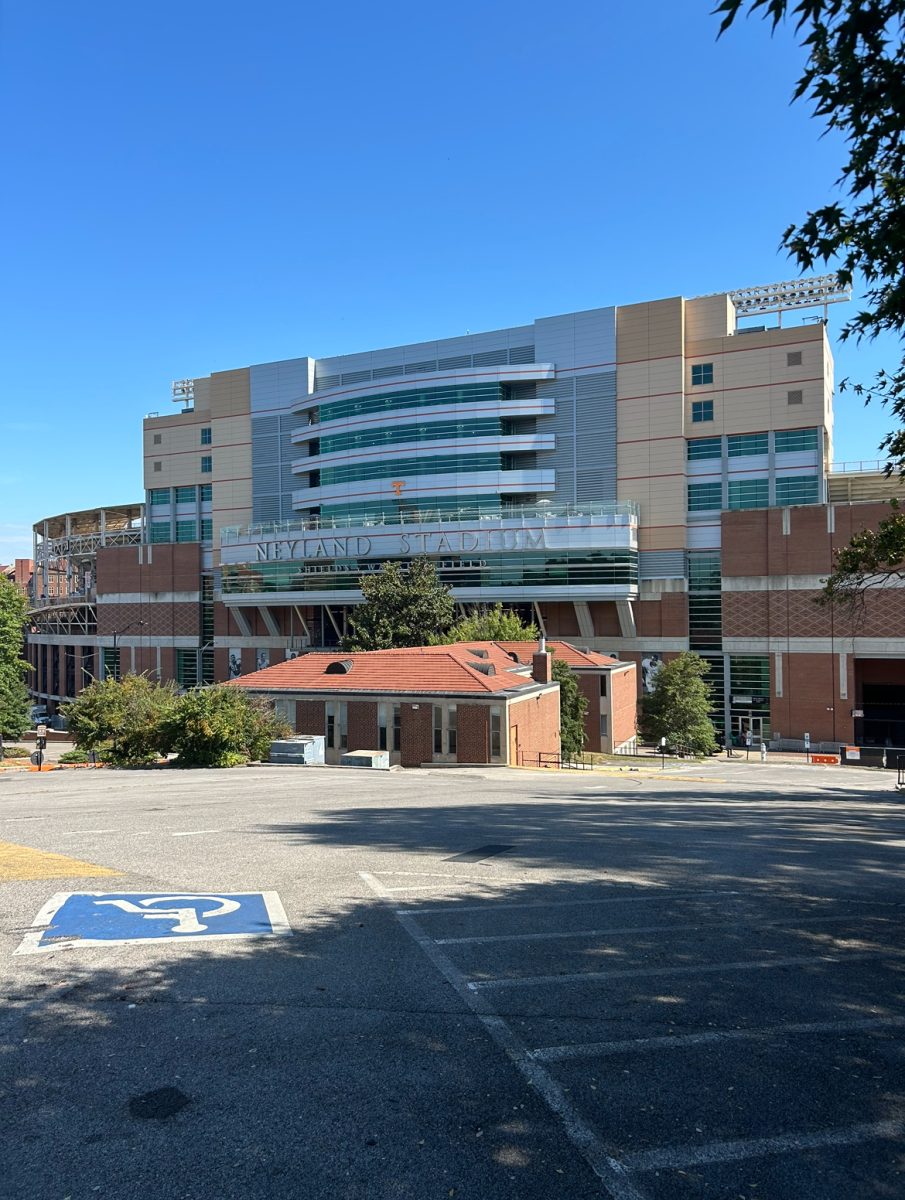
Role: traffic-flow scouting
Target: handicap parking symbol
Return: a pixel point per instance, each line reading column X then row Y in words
column 75, row 919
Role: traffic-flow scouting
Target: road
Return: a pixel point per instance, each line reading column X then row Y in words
column 638, row 985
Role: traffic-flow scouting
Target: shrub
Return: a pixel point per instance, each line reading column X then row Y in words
column 124, row 718
column 83, row 756
column 221, row 726
column 15, row 752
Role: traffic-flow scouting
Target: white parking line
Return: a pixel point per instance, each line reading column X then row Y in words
column 513, row 981
column 721, row 1152
column 679, row 1041
column 609, row 1170
column 629, row 929
column 196, row 832
column 73, row 832
column 661, row 896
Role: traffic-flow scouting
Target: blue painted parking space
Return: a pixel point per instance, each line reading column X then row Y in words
column 74, row 919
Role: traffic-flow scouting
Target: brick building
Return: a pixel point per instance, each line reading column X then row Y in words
column 469, row 703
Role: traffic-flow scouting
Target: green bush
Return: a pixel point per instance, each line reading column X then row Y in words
column 221, row 726
column 15, row 752
column 124, row 718
column 83, row 756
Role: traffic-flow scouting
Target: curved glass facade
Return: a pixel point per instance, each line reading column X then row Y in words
column 359, row 406
column 531, row 569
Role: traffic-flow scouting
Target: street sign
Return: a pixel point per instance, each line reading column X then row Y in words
column 807, row 740
column 853, row 753
column 71, row 920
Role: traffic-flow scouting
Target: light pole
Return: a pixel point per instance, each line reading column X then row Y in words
column 116, row 634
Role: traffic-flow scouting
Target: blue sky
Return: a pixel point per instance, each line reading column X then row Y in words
column 200, row 185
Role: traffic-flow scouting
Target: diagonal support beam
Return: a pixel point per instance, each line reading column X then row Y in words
column 626, row 618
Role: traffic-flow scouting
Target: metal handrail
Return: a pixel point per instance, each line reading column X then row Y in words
column 625, row 512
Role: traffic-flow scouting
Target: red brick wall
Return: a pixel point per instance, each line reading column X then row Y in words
column 362, row 725
column 810, row 688
column 416, row 734
column 310, row 716
column 665, row 617
column 535, row 722
column 623, row 691
column 560, row 619
column 794, row 613
column 473, row 736
column 605, row 618
column 754, row 544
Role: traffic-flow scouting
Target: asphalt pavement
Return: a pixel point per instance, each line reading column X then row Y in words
column 490, row 983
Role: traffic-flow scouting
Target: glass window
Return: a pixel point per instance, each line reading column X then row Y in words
column 438, row 729
column 158, row 438
column 205, row 437
column 158, row 466
column 749, row 493
column 110, row 662
column 740, row 444
column 186, row 531
column 397, row 728
column 185, row 495
column 603, row 685
column 381, row 727
column 207, row 529
column 331, row 724
column 701, row 373
column 701, row 410
column 158, row 496
column 711, row 447
column 159, row 531
column 187, row 668
column 207, row 492
column 496, row 735
column 604, row 724
column 207, row 464
column 343, row 725
column 451, row 729
column 793, row 358
column 704, row 496
column 797, row 489
column 787, row 440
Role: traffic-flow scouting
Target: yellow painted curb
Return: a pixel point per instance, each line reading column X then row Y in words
column 24, row 862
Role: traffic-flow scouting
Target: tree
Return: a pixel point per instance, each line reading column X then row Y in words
column 572, row 708
column 13, row 695
column 855, row 76
column 494, row 624
column 403, row 606
column 872, row 557
column 221, row 726
column 678, row 708
column 124, row 718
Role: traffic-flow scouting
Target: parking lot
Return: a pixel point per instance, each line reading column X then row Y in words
column 681, row 984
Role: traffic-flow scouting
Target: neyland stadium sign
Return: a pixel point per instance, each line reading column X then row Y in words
column 402, row 545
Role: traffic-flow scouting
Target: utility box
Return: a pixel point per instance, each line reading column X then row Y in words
column 377, row 760
column 301, row 751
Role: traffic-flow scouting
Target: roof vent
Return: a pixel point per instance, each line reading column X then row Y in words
column 340, row 666
column 478, row 653
column 484, row 668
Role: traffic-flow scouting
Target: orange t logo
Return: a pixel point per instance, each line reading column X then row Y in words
column 397, row 485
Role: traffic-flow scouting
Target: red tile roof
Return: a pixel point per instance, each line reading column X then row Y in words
column 565, row 650
column 436, row 670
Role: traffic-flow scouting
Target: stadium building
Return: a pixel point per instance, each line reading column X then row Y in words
column 638, row 480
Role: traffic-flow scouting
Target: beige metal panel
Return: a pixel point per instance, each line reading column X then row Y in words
column 650, row 330
column 230, row 392
column 709, row 317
